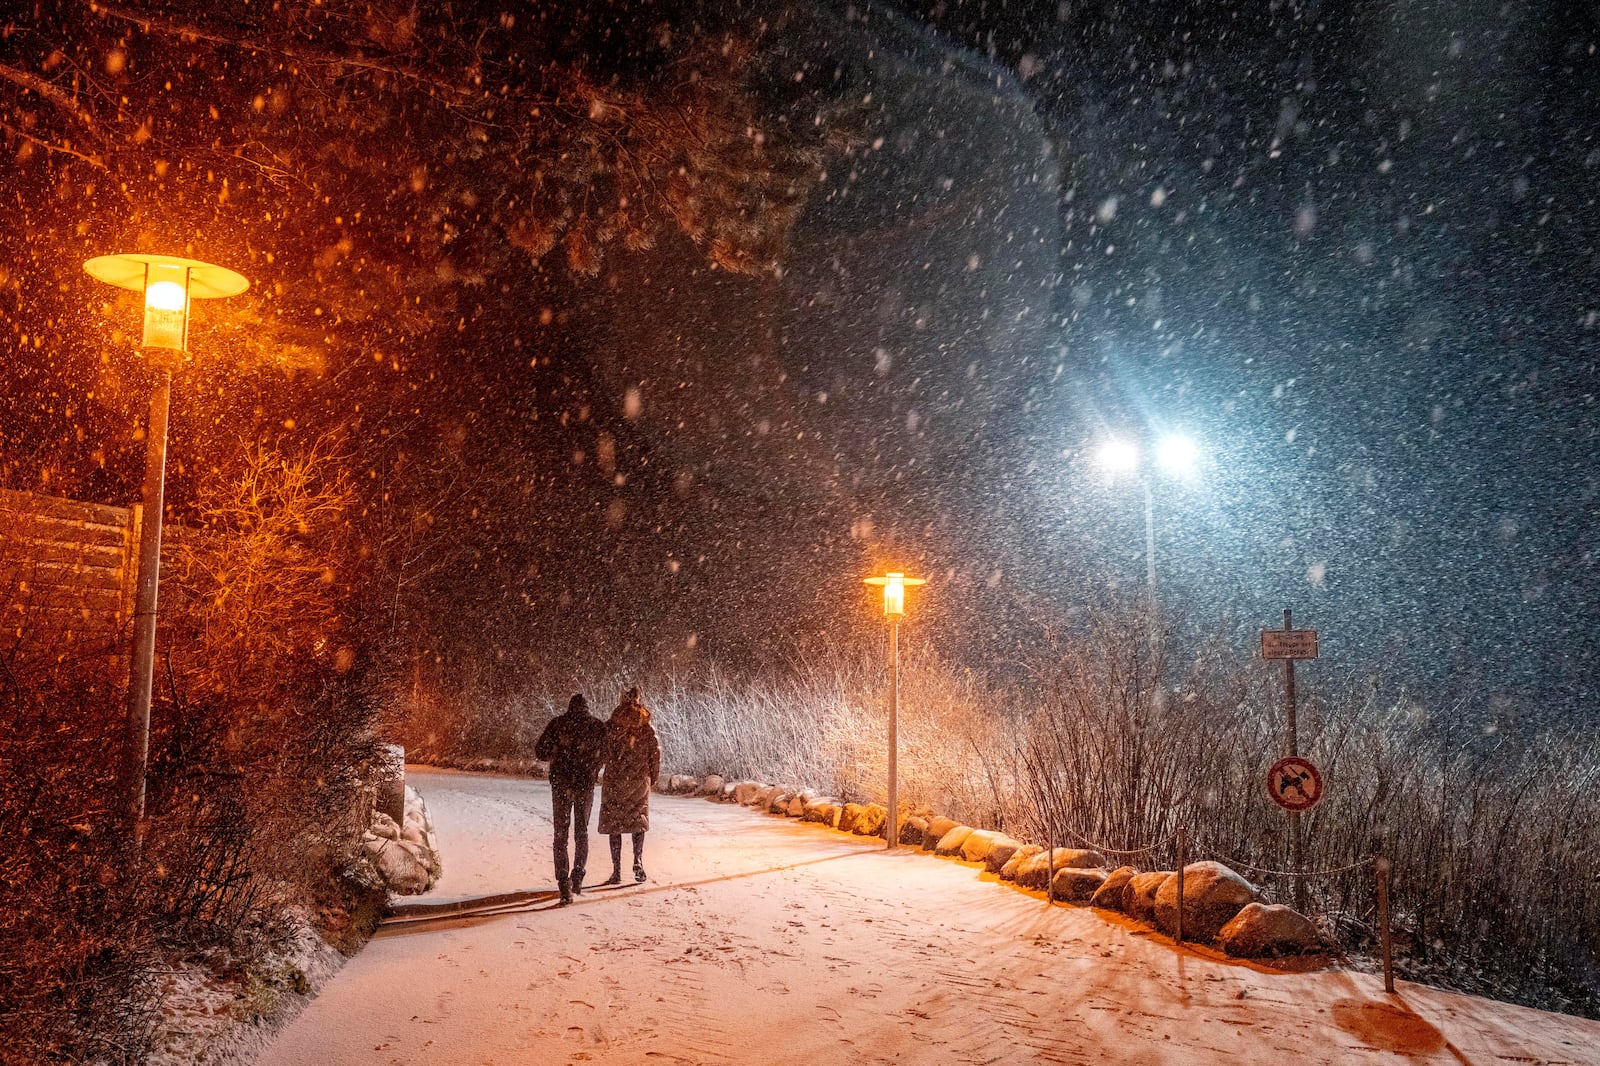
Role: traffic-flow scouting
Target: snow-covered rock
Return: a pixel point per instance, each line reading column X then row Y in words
column 1112, row 893
column 779, row 804
column 870, row 822
column 980, row 842
column 848, row 815
column 825, row 811
column 1036, row 871
column 938, row 826
column 1000, row 854
column 711, row 786
column 1076, row 885
column 797, row 805
column 1008, row 872
column 762, row 800
column 1212, row 896
column 682, row 785
column 954, row 837
column 1268, row 929
column 745, row 792
column 405, row 857
column 1139, row 901
column 913, row 830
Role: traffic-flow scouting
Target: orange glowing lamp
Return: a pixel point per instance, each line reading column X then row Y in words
column 169, row 285
column 894, row 591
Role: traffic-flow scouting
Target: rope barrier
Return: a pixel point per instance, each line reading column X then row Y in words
column 1114, row 851
column 1240, row 864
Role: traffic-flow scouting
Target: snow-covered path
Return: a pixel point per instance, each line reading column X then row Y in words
column 761, row 940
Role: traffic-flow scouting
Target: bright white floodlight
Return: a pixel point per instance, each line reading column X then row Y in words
column 1118, row 457
column 1177, row 455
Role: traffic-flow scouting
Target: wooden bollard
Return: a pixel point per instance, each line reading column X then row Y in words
column 1383, row 867
column 1181, row 860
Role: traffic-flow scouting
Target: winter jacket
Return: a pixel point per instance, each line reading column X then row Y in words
column 573, row 744
column 633, row 761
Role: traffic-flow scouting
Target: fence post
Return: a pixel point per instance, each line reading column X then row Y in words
column 1181, row 860
column 1383, row 866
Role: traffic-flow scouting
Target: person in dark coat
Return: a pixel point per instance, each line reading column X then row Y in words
column 574, row 745
column 632, row 760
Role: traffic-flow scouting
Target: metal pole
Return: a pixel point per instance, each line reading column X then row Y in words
column 1383, row 867
column 892, row 823
column 142, row 665
column 1302, row 901
column 1149, row 541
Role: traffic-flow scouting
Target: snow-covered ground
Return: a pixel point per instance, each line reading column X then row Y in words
column 758, row 939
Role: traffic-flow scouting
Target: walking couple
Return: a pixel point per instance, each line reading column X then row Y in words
column 577, row 745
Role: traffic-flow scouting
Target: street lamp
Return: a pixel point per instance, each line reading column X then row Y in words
column 1176, row 455
column 169, row 285
column 894, row 608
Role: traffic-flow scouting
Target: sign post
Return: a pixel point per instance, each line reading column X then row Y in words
column 1290, row 644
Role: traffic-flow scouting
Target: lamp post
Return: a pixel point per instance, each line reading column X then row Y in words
column 169, row 285
column 1177, row 456
column 894, row 608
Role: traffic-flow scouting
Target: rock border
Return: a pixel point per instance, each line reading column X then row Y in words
column 1220, row 907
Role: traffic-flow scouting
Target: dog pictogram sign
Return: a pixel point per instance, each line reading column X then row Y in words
column 1294, row 783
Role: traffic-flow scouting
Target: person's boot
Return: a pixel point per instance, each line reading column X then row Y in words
column 615, row 878
column 577, row 880
column 638, row 871
column 566, row 890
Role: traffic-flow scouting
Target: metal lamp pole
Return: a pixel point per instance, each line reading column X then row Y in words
column 894, row 608
column 169, row 285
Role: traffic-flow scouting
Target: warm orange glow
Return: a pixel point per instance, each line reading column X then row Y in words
column 166, row 308
column 894, row 591
column 169, row 283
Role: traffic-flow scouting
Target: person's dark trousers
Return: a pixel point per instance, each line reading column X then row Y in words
column 570, row 805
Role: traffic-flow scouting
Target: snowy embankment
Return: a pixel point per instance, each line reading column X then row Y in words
column 765, row 939
column 229, row 1019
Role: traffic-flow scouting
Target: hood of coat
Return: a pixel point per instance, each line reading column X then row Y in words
column 630, row 715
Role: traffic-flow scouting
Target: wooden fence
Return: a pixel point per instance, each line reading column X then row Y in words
column 67, row 573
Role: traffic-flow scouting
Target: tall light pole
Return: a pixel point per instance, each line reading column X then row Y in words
column 1177, row 456
column 169, row 285
column 894, row 608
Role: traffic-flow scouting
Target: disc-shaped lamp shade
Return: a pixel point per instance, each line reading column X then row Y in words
column 894, row 591
column 168, row 283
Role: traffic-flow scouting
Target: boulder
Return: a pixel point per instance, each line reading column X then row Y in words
column 980, row 843
column 823, row 811
column 939, row 825
column 401, row 865
column 682, row 785
column 1008, row 872
column 1000, row 854
column 1073, row 884
column 711, row 786
column 762, row 800
column 950, row 843
column 869, row 823
column 1212, row 896
column 745, row 792
column 779, row 804
column 1112, row 893
column 727, row 793
column 1036, row 871
column 913, row 830
column 1263, row 929
column 797, row 805
column 1139, row 901
column 848, row 816
column 384, row 826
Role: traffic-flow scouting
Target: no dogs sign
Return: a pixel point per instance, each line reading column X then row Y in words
column 1295, row 784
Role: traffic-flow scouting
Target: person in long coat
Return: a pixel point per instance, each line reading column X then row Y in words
column 632, row 763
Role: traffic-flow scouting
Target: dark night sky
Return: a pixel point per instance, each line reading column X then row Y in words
column 1350, row 248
